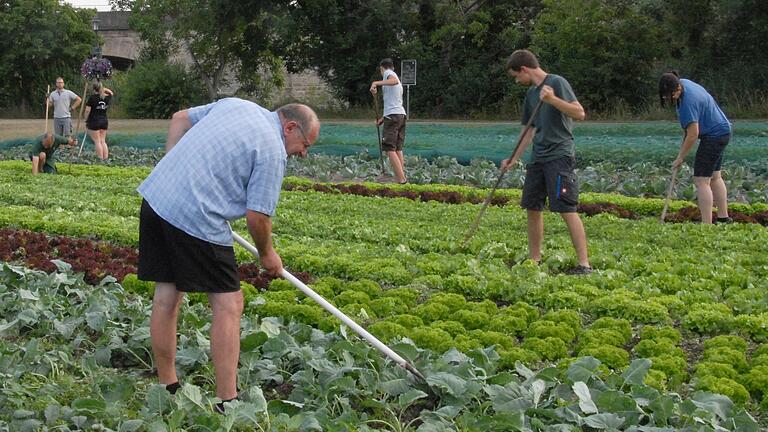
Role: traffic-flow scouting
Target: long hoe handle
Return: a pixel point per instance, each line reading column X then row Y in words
column 47, row 95
column 669, row 193
column 378, row 131
column 473, row 228
column 337, row 313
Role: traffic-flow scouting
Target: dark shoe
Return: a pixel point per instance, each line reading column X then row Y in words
column 173, row 388
column 219, row 407
column 579, row 270
column 725, row 220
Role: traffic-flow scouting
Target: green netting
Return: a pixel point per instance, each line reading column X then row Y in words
column 595, row 142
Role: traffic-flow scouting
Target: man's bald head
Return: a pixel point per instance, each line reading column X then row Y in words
column 301, row 114
column 48, row 139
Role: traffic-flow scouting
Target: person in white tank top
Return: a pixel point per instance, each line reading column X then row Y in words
column 394, row 118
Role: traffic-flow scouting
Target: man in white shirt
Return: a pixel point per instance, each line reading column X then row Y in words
column 63, row 101
column 394, row 118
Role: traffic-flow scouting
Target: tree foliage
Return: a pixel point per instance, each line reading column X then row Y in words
column 157, row 89
column 41, row 39
column 228, row 42
column 588, row 43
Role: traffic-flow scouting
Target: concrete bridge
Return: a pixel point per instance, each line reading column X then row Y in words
column 122, row 46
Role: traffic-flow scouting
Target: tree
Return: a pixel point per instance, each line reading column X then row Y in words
column 42, row 39
column 344, row 40
column 227, row 41
column 606, row 49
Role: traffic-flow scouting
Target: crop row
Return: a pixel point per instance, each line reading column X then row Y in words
column 703, row 280
column 456, row 195
column 441, row 321
column 77, row 356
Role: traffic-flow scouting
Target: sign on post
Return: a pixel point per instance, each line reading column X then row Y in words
column 408, row 72
column 408, row 78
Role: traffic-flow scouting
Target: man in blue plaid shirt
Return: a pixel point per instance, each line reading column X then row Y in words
column 224, row 160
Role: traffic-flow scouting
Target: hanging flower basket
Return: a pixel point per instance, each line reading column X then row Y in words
column 96, row 68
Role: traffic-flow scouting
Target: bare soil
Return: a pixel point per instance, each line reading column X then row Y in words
column 22, row 128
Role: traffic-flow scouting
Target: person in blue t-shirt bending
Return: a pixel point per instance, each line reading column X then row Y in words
column 702, row 119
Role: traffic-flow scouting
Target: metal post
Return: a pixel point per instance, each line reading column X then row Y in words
column 408, row 102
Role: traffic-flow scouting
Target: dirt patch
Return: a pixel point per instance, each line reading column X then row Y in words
column 24, row 128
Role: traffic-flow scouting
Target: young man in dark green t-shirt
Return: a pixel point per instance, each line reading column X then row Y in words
column 43, row 149
column 550, row 173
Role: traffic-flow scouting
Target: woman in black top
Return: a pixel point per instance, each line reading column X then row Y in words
column 96, row 118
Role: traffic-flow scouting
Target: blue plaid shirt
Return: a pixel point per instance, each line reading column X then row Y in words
column 232, row 159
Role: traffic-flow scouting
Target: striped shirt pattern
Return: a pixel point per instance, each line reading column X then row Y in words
column 232, row 159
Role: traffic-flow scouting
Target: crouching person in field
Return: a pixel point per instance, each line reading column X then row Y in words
column 43, row 149
column 224, row 160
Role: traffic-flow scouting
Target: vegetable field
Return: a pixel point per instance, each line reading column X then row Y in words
column 669, row 333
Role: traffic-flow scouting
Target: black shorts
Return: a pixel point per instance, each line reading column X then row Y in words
column 98, row 124
column 168, row 254
column 709, row 156
column 394, row 133
column 554, row 180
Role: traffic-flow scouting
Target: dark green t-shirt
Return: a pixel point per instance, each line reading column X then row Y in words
column 37, row 148
column 554, row 138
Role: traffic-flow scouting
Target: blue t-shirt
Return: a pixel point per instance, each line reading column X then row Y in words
column 698, row 106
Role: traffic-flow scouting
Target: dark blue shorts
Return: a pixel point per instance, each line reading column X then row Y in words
column 709, row 156
column 554, row 180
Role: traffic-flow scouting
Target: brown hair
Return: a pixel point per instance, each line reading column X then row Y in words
column 522, row 58
column 668, row 84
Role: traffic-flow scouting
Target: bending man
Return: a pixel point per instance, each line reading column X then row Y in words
column 224, row 160
column 702, row 119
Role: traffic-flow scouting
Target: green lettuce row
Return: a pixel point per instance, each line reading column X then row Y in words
column 77, row 356
column 16, row 170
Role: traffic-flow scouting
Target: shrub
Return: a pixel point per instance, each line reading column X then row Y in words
column 613, row 357
column 658, row 333
column 157, row 89
column 549, row 348
column 724, row 386
column 131, row 283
